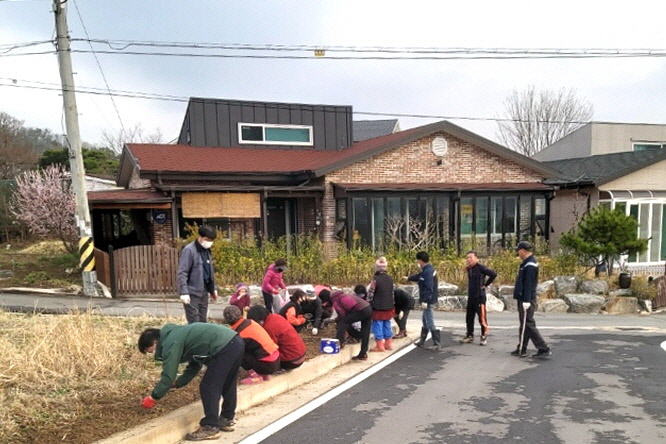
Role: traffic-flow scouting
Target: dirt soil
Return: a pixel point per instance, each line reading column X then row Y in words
column 38, row 270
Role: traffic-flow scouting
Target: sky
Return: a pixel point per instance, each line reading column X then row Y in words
column 620, row 89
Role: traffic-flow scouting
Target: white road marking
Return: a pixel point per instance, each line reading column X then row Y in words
column 283, row 422
column 663, row 345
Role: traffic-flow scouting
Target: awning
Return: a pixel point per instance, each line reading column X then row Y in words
column 143, row 198
column 342, row 188
column 632, row 194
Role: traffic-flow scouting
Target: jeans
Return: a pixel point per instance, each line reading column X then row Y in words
column 428, row 318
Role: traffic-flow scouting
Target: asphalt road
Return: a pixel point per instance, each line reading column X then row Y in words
column 602, row 385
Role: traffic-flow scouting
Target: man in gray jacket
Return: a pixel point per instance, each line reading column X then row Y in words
column 196, row 277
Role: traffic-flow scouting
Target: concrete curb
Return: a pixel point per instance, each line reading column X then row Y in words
column 173, row 426
column 40, row 291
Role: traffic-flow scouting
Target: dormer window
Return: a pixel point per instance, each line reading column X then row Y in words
column 270, row 134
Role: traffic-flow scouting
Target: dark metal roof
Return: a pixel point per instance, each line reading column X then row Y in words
column 603, row 168
column 369, row 129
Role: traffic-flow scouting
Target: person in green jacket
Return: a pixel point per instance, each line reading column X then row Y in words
column 217, row 347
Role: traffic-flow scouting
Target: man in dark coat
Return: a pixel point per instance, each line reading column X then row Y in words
column 196, row 276
column 478, row 278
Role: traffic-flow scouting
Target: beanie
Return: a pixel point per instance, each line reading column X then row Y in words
column 232, row 314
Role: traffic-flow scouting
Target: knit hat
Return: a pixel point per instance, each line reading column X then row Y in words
column 232, row 314
column 381, row 264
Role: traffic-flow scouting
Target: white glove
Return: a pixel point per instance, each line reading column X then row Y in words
column 185, row 298
column 400, row 316
column 315, row 331
column 526, row 305
column 424, row 305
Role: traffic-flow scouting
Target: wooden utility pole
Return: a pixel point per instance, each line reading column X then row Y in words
column 86, row 259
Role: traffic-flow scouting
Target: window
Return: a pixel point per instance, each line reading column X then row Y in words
column 269, row 134
column 481, row 215
column 466, row 216
column 647, row 146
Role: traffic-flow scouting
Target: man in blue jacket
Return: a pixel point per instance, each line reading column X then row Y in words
column 196, row 276
column 525, row 293
column 427, row 280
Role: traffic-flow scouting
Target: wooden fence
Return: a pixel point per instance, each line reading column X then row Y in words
column 145, row 270
column 103, row 267
column 660, row 300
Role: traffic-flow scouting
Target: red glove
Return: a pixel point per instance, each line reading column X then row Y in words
column 148, row 402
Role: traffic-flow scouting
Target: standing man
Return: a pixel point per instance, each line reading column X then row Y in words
column 217, row 347
column 478, row 278
column 427, row 280
column 525, row 293
column 196, row 277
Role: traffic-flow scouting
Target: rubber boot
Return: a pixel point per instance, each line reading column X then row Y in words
column 379, row 347
column 424, row 334
column 388, row 344
column 436, row 341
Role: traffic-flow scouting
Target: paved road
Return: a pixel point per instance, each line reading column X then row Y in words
column 600, row 386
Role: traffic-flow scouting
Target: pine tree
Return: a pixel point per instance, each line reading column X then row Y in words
column 602, row 236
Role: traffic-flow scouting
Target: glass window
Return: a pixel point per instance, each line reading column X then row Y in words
column 621, row 206
column 268, row 134
column 481, row 215
column 466, row 215
column 443, row 218
column 252, row 133
column 663, row 233
column 633, row 212
column 647, row 146
column 287, row 134
column 341, row 209
column 361, row 225
column 644, row 228
column 393, row 206
column 655, row 243
column 605, row 204
column 510, row 215
column 496, row 214
column 221, row 224
column 540, row 216
column 377, row 222
column 525, row 219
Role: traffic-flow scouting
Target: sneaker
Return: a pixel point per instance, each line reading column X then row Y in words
column 203, row 433
column 227, row 425
column 360, row 358
column 467, row 340
column 434, row 347
column 541, row 354
column 252, row 378
column 484, row 340
column 520, row 354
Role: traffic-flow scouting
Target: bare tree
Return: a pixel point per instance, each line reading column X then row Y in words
column 537, row 119
column 134, row 134
column 16, row 153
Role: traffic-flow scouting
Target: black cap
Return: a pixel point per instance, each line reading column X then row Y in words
column 524, row 245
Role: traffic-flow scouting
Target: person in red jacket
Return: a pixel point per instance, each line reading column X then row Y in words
column 350, row 308
column 291, row 345
column 273, row 282
column 292, row 310
column 261, row 357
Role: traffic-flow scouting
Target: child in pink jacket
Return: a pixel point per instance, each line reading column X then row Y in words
column 241, row 298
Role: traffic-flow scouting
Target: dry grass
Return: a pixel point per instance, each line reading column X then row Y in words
column 49, row 247
column 76, row 378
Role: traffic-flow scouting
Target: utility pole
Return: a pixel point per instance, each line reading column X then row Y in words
column 86, row 257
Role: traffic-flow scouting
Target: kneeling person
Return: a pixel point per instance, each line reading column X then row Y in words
column 218, row 348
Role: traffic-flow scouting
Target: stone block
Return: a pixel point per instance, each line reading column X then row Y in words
column 451, row 303
column 596, row 286
column 565, row 285
column 411, row 289
column 446, row 289
column 494, row 304
column 620, row 292
column 546, row 290
column 584, row 303
column 553, row 306
column 622, row 305
column 645, row 305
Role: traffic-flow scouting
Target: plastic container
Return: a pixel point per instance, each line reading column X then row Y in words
column 329, row 346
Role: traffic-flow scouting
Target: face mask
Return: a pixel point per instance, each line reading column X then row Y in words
column 206, row 244
column 280, row 269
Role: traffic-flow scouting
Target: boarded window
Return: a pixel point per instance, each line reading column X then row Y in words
column 217, row 205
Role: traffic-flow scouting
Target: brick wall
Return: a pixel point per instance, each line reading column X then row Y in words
column 163, row 233
column 415, row 163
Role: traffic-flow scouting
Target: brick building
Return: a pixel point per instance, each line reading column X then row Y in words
column 258, row 169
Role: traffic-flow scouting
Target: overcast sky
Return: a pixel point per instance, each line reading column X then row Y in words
column 623, row 90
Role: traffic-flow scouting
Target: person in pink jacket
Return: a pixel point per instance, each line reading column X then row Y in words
column 241, row 298
column 350, row 308
column 273, row 283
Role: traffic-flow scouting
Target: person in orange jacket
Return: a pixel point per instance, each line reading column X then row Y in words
column 292, row 310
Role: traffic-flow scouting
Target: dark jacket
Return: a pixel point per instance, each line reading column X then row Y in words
column 290, row 343
column 344, row 304
column 526, row 281
column 193, row 343
column 314, row 307
column 380, row 294
column 427, row 280
column 478, row 278
column 403, row 300
column 191, row 271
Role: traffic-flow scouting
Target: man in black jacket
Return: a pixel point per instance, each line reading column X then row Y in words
column 525, row 293
column 478, row 278
column 428, row 295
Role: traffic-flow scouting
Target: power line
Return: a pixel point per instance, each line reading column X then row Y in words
column 171, row 98
column 99, row 65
